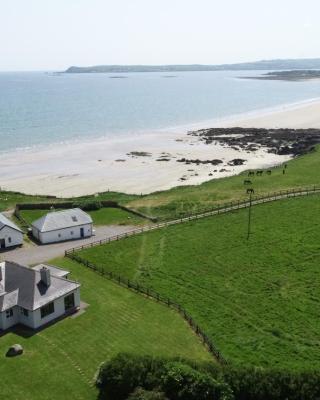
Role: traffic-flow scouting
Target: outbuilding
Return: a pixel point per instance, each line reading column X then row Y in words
column 59, row 226
column 10, row 234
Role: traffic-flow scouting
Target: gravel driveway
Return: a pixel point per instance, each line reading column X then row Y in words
column 31, row 253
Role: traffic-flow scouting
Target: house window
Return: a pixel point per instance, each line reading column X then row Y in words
column 74, row 218
column 71, row 232
column 9, row 313
column 59, row 234
column 69, row 302
column 9, row 239
column 47, row 309
column 24, row 312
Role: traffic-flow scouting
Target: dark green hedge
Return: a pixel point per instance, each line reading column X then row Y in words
column 145, row 378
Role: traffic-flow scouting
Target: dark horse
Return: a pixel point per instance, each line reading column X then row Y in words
column 251, row 173
column 247, row 182
column 259, row 173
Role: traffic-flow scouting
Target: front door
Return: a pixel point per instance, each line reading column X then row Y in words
column 2, row 244
column 82, row 232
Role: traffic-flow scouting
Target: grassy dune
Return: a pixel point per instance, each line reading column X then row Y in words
column 60, row 362
column 259, row 299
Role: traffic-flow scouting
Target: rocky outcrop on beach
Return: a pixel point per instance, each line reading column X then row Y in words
column 293, row 142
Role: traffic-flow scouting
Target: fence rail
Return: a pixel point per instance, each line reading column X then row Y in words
column 219, row 209
column 156, row 296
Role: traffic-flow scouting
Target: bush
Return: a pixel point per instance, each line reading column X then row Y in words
column 88, row 205
column 182, row 382
column 142, row 394
column 120, row 377
column 260, row 384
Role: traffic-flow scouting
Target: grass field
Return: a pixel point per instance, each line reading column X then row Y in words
column 60, row 361
column 259, row 300
column 104, row 216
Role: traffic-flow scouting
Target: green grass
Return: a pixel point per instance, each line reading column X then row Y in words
column 104, row 216
column 301, row 172
column 60, row 362
column 259, row 300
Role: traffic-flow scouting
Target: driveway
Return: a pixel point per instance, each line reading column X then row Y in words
column 31, row 254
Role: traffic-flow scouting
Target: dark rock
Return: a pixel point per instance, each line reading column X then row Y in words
column 14, row 350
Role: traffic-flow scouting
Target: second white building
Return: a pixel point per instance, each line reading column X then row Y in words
column 62, row 225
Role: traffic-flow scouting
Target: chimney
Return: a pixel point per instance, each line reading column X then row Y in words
column 45, row 276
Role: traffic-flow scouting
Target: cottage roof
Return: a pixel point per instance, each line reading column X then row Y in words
column 4, row 221
column 23, row 287
column 55, row 271
column 62, row 219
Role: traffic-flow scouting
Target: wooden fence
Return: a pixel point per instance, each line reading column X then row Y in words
column 156, row 296
column 219, row 209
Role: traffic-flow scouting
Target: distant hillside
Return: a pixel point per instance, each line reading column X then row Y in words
column 311, row 63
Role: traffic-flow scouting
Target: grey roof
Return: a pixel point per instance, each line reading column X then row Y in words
column 55, row 271
column 4, row 221
column 62, row 219
column 31, row 292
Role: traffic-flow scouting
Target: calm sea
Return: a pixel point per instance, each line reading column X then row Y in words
column 43, row 108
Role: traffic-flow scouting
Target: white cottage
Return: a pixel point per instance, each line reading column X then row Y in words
column 35, row 297
column 10, row 234
column 63, row 225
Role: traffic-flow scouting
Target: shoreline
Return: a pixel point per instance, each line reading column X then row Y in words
column 146, row 163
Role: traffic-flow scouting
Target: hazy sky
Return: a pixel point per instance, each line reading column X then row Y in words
column 54, row 34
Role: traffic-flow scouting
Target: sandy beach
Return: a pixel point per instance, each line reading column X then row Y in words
column 144, row 163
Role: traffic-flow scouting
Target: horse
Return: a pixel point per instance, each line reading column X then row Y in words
column 269, row 172
column 247, row 182
column 251, row 173
column 259, row 173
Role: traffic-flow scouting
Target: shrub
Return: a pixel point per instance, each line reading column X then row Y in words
column 182, row 382
column 142, row 394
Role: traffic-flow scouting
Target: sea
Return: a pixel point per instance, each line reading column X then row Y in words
column 45, row 108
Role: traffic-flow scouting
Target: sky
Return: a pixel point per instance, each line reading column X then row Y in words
column 55, row 34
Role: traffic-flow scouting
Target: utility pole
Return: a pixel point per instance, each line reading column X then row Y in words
column 249, row 216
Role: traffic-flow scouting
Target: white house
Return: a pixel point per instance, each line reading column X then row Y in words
column 62, row 225
column 10, row 234
column 35, row 296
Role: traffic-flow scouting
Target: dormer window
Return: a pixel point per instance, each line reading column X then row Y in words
column 74, row 218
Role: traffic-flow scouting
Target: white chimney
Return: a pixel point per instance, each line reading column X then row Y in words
column 45, row 276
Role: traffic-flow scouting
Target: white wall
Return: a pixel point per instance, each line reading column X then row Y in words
column 58, row 310
column 16, row 236
column 5, row 322
column 34, row 319
column 65, row 234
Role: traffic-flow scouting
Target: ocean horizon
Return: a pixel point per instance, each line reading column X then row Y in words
column 40, row 109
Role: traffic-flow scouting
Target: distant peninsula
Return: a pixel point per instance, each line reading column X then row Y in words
column 293, row 75
column 286, row 64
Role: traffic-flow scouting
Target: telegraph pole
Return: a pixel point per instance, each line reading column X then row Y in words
column 249, row 216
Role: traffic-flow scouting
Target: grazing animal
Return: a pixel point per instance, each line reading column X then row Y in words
column 247, row 182
column 269, row 172
column 250, row 173
column 250, row 191
column 259, row 173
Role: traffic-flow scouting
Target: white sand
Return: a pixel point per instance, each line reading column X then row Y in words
column 86, row 168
